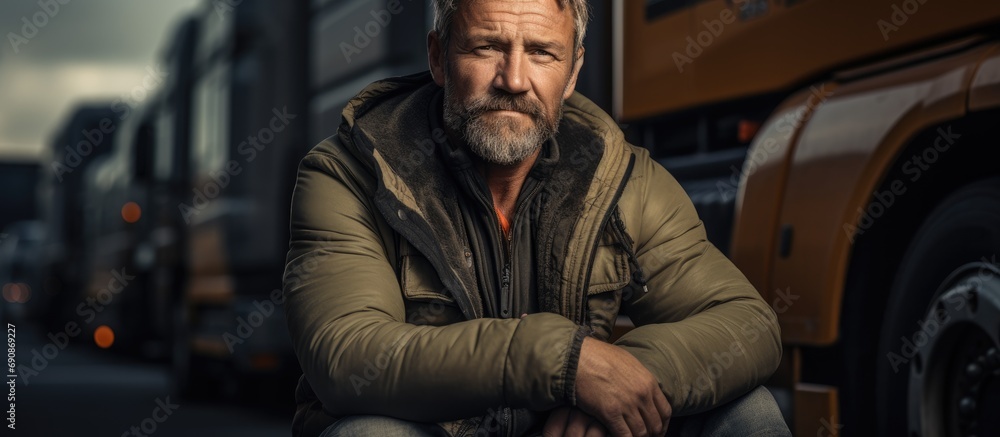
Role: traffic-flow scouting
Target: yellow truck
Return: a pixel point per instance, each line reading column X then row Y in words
column 841, row 152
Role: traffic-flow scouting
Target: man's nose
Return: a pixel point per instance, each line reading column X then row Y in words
column 511, row 75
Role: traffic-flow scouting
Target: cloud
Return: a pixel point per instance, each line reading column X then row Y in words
column 94, row 30
column 44, row 96
column 89, row 50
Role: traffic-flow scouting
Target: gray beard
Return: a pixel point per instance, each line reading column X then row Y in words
column 498, row 140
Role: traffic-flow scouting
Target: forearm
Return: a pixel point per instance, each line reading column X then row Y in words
column 711, row 357
column 367, row 364
column 704, row 330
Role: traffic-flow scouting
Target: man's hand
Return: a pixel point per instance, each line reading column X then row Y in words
column 618, row 390
column 572, row 422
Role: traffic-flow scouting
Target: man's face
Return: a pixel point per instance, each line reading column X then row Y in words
column 507, row 70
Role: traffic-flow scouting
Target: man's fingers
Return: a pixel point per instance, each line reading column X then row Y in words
column 577, row 424
column 618, row 427
column 636, row 424
column 596, row 430
column 664, row 408
column 573, row 422
column 555, row 425
column 651, row 418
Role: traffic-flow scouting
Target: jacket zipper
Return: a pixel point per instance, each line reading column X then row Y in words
column 506, row 276
column 506, row 298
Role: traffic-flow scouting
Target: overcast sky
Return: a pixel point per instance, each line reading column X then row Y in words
column 89, row 50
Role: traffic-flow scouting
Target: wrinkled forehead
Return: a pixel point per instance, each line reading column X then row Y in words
column 548, row 19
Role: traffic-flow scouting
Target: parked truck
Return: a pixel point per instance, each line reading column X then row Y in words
column 842, row 153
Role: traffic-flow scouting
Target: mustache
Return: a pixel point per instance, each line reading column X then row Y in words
column 504, row 102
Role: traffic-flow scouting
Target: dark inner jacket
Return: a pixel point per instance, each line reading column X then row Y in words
column 404, row 298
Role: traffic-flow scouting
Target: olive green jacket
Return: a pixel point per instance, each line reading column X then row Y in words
column 403, row 299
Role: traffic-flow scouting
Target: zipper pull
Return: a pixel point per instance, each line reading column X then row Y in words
column 625, row 242
column 505, row 292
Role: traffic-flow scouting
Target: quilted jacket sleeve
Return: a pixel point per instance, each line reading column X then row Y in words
column 346, row 319
column 703, row 330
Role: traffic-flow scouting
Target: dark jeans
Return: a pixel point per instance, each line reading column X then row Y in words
column 754, row 414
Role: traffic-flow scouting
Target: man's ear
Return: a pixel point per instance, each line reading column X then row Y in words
column 435, row 57
column 571, row 85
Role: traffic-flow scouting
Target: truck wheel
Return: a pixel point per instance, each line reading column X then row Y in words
column 938, row 369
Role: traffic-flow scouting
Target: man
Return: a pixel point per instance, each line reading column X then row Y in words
column 461, row 249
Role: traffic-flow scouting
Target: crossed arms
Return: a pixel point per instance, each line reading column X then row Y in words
column 704, row 335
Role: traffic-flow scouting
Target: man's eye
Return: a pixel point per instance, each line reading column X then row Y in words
column 543, row 53
column 486, row 48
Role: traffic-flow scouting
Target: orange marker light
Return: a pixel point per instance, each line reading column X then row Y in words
column 25, row 294
column 104, row 336
column 11, row 292
column 131, row 212
column 16, row 293
column 747, row 130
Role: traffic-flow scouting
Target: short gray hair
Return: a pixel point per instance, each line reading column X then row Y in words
column 445, row 9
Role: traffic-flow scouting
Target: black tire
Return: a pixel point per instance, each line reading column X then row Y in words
column 964, row 228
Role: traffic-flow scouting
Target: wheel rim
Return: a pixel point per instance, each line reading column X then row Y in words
column 955, row 370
